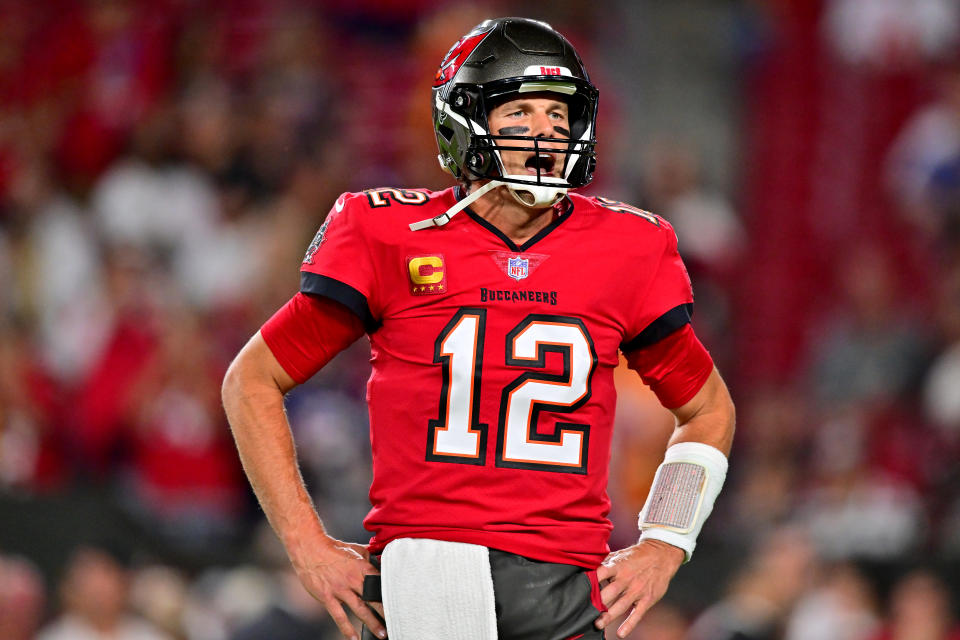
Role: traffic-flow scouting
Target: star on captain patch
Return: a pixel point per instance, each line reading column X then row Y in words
column 428, row 275
column 517, row 266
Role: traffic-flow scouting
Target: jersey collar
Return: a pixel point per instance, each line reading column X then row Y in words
column 565, row 205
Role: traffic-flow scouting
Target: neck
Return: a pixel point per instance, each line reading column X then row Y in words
column 517, row 222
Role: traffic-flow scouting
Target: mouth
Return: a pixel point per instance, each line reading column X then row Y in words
column 540, row 164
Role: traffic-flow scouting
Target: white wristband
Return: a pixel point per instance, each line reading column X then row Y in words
column 682, row 495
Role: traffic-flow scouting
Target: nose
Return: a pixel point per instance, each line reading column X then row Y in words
column 542, row 125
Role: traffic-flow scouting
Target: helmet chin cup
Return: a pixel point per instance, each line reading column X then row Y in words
column 547, row 193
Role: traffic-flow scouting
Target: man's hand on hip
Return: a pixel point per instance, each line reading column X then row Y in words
column 333, row 574
column 633, row 579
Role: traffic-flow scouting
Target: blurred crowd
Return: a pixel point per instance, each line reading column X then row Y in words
column 163, row 166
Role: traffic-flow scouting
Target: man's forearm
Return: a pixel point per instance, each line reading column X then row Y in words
column 330, row 570
column 693, row 470
column 254, row 408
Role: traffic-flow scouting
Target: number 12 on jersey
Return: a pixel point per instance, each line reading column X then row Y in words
column 457, row 434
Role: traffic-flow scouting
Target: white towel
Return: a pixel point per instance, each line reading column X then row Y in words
column 437, row 590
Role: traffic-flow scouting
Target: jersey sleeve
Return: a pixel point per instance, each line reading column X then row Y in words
column 667, row 304
column 339, row 264
column 307, row 332
column 675, row 368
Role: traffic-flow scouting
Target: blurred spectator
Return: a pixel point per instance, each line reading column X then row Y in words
column 710, row 236
column 773, row 449
column 184, row 478
column 928, row 141
column 296, row 616
column 120, row 52
column 222, row 600
column 151, row 202
column 208, row 122
column 944, row 198
column 159, row 594
column 296, row 214
column 94, row 594
column 842, row 607
column 53, row 249
column 940, row 400
column 864, row 494
column 220, row 267
column 69, row 300
column 871, row 349
column 7, row 273
column 890, row 34
column 662, row 622
column 22, row 598
column 102, row 415
column 291, row 114
column 32, row 456
column 920, row 609
column 761, row 595
column 853, row 509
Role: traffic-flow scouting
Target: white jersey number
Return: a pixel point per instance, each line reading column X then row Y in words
column 458, row 436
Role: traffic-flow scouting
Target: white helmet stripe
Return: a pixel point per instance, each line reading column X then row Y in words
column 573, row 158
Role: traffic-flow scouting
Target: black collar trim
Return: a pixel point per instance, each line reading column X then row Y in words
column 567, row 204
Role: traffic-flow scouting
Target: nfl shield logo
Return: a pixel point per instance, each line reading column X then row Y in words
column 518, row 268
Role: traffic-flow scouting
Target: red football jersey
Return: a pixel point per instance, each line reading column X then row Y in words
column 491, row 396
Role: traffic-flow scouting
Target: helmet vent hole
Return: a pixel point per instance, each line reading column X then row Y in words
column 446, row 132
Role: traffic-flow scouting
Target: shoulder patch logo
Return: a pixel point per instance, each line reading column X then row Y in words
column 517, row 266
column 316, row 242
column 428, row 275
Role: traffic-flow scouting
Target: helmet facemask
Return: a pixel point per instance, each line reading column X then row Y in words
column 561, row 163
column 468, row 111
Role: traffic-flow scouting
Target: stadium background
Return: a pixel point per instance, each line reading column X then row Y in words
column 164, row 164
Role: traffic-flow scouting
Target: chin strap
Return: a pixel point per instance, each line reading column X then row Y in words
column 444, row 217
column 531, row 195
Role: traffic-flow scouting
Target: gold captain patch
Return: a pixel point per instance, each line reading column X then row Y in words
column 428, row 275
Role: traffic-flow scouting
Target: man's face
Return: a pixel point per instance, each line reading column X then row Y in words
column 540, row 115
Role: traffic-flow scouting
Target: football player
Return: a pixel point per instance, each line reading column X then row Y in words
column 494, row 336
